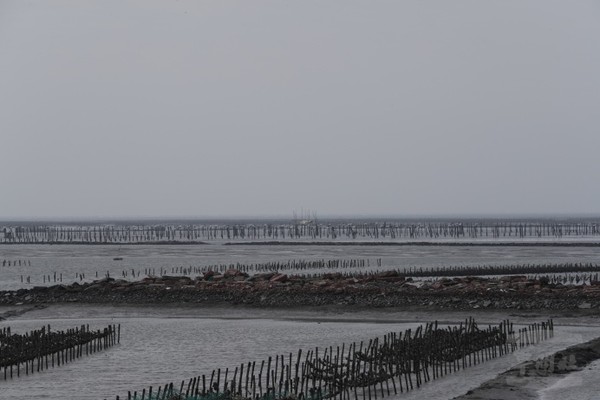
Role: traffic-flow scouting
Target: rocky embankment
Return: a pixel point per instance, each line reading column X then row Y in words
column 386, row 289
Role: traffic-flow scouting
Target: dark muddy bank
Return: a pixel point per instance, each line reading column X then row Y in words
column 386, row 289
column 524, row 380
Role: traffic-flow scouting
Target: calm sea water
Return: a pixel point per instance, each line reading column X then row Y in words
column 73, row 261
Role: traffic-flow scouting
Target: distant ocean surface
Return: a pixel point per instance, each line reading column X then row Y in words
column 299, row 230
column 28, row 265
column 85, row 263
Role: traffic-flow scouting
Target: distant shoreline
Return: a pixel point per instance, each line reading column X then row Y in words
column 318, row 243
column 420, row 243
column 79, row 243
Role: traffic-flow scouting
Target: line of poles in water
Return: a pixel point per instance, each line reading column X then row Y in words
column 397, row 363
column 15, row 263
column 43, row 348
column 352, row 268
column 313, row 230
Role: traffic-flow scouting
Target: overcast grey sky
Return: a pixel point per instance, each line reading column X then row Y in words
column 114, row 108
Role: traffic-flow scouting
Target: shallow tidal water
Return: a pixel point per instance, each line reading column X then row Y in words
column 94, row 261
column 160, row 345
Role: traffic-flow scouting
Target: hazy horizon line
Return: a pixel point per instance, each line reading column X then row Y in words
column 358, row 216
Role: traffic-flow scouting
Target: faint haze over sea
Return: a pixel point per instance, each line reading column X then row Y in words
column 289, row 219
column 120, row 108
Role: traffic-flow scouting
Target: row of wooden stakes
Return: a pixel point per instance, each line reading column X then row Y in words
column 43, row 348
column 15, row 263
column 394, row 364
column 294, row 230
column 572, row 273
